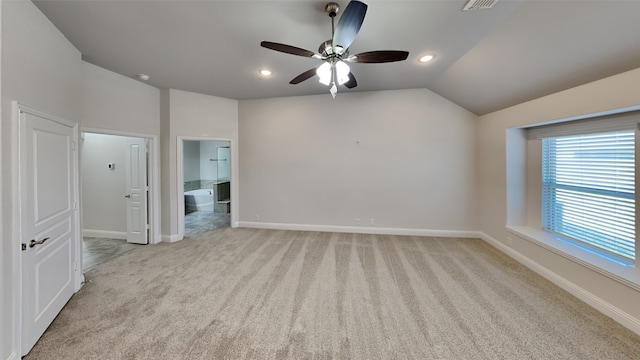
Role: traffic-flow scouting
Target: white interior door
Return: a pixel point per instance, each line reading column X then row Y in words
column 49, row 231
column 137, row 189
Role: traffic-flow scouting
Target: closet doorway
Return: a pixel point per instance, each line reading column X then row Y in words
column 118, row 176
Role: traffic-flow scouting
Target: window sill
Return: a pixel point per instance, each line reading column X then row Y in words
column 623, row 271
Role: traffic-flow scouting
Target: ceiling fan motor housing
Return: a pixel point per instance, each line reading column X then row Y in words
column 326, row 48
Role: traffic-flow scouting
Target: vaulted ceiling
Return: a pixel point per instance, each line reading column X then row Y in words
column 485, row 60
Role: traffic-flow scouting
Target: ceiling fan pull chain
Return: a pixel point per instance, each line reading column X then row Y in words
column 333, row 90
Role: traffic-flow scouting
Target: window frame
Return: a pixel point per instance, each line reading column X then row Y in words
column 552, row 222
column 523, row 182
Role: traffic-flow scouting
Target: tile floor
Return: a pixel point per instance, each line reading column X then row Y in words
column 199, row 222
column 96, row 251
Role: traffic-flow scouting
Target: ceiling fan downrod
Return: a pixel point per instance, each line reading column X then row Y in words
column 332, row 9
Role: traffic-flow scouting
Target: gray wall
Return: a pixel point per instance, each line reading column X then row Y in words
column 111, row 101
column 191, row 160
column 191, row 115
column 404, row 158
column 41, row 69
column 504, row 192
column 104, row 208
column 420, row 163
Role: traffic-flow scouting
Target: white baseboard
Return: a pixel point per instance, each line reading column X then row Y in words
column 104, row 234
column 170, row 238
column 360, row 229
column 594, row 301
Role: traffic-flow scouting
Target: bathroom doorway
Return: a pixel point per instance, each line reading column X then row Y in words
column 206, row 185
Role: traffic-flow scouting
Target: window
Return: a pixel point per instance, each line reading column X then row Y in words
column 588, row 189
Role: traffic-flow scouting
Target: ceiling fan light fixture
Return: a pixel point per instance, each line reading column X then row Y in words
column 334, row 52
column 324, row 73
column 342, row 72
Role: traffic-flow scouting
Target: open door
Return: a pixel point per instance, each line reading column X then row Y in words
column 137, row 190
column 49, row 221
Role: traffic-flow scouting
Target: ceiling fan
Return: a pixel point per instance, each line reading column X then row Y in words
column 335, row 52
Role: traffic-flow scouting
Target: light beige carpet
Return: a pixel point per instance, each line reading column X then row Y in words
column 266, row 294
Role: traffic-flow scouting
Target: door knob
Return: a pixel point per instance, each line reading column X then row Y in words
column 33, row 242
column 128, row 196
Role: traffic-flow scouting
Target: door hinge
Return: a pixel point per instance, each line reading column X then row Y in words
column 73, row 145
column 75, row 266
column 24, row 247
column 75, row 205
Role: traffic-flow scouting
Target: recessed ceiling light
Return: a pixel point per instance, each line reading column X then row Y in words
column 265, row 72
column 144, row 77
column 426, row 58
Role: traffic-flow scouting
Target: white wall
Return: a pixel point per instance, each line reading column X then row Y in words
column 190, row 115
column 404, row 158
column 41, row 69
column 103, row 204
column 111, row 101
column 619, row 91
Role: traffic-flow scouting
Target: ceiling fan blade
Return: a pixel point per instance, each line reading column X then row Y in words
column 304, row 76
column 380, row 56
column 288, row 49
column 349, row 25
column 352, row 81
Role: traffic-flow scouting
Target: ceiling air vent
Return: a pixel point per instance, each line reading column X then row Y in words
column 479, row 4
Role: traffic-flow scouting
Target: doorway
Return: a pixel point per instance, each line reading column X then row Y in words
column 206, row 174
column 117, row 194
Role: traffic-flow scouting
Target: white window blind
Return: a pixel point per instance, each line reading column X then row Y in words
column 588, row 189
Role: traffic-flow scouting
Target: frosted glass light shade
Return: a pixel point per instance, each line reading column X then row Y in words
column 342, row 70
column 324, row 73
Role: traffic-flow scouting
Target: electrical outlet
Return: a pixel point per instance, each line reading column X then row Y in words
column 357, row 221
column 372, row 221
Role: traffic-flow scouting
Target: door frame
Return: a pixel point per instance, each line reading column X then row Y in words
column 233, row 173
column 16, row 199
column 153, row 176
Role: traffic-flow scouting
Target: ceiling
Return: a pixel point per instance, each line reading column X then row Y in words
column 485, row 60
